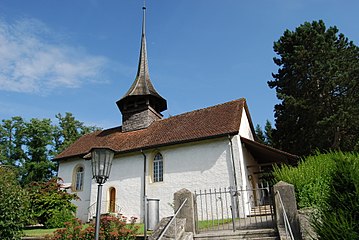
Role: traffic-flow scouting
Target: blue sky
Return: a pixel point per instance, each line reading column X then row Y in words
column 81, row 56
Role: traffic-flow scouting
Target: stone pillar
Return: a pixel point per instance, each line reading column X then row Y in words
column 188, row 210
column 287, row 194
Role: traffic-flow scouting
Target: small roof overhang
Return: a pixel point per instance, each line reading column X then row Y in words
column 266, row 155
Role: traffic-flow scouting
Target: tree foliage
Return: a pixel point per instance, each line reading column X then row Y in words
column 14, row 204
column 38, row 139
column 11, row 141
column 51, row 205
column 318, row 85
column 69, row 130
column 266, row 136
column 30, row 146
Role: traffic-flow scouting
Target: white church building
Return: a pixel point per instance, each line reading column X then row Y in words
column 206, row 148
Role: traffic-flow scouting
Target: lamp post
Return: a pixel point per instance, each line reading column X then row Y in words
column 101, row 166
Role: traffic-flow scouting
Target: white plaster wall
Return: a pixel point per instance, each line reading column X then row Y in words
column 245, row 160
column 66, row 169
column 194, row 166
column 245, row 129
column 253, row 195
column 241, row 174
column 126, row 178
column 245, row 157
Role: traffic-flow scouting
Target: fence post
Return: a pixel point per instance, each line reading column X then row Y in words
column 287, row 193
column 188, row 210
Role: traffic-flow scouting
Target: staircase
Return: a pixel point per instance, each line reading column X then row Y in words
column 253, row 234
column 178, row 230
column 263, row 210
column 175, row 231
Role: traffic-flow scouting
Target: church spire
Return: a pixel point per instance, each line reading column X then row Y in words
column 142, row 93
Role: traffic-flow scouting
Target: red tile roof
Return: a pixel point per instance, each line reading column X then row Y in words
column 211, row 122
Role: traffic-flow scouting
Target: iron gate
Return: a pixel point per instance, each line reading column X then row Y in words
column 230, row 208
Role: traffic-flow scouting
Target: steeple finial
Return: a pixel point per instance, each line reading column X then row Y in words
column 144, row 18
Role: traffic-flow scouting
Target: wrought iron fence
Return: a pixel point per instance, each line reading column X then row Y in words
column 230, row 208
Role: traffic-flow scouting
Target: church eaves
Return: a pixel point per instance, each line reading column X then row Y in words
column 207, row 123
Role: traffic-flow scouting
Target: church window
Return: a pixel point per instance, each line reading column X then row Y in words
column 79, row 178
column 158, row 168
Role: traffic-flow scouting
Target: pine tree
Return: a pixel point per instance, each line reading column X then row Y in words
column 318, row 85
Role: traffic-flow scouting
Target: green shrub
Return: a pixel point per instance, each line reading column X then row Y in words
column 49, row 201
column 57, row 218
column 339, row 218
column 111, row 228
column 330, row 183
column 14, row 205
column 311, row 178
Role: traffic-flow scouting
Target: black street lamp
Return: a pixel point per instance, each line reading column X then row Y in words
column 101, row 166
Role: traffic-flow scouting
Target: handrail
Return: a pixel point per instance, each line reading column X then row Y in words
column 91, row 210
column 285, row 218
column 170, row 222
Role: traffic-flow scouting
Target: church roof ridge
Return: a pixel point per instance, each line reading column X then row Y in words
column 242, row 100
column 206, row 123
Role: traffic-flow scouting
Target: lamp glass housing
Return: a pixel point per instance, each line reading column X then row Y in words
column 101, row 164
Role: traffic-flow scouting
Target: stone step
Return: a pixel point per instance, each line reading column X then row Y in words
column 187, row 236
column 264, row 209
column 175, row 231
column 270, row 234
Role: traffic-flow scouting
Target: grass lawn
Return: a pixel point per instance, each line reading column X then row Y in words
column 41, row 232
column 215, row 223
column 38, row 232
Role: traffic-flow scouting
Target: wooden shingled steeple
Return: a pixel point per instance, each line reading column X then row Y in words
column 142, row 104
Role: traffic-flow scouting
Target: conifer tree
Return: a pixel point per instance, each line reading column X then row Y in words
column 317, row 84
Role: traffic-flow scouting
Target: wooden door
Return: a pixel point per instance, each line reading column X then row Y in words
column 112, row 205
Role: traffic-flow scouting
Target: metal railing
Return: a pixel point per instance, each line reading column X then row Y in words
column 232, row 209
column 105, row 205
column 288, row 229
column 173, row 219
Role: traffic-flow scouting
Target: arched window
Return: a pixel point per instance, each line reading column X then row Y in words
column 158, row 168
column 79, row 178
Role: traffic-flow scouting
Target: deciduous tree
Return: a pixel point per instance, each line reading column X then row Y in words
column 11, row 141
column 14, row 204
column 69, row 130
column 38, row 141
column 51, row 205
column 30, row 146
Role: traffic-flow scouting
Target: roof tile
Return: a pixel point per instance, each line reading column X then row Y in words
column 215, row 121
